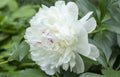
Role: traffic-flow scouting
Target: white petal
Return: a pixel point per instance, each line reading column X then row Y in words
column 94, row 52
column 83, row 45
column 44, row 7
column 65, row 66
column 79, row 67
column 48, row 70
column 72, row 62
column 90, row 25
column 59, row 3
column 86, row 17
column 67, row 56
column 72, row 9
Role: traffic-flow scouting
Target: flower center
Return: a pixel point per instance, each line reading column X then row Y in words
column 50, row 41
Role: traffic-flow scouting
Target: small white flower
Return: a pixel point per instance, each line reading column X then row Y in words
column 56, row 38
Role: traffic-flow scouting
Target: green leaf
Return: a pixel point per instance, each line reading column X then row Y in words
column 20, row 51
column 106, row 73
column 12, row 5
column 88, row 62
column 114, row 56
column 90, row 75
column 4, row 54
column 3, row 3
column 114, row 10
column 111, row 73
column 118, row 39
column 7, row 67
column 113, row 23
column 112, row 26
column 37, row 2
column 68, row 74
column 102, row 59
column 1, row 17
column 3, row 36
column 24, row 11
column 104, row 40
column 5, row 74
column 103, row 5
column 30, row 73
column 84, row 6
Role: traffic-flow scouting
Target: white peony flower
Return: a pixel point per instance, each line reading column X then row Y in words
column 56, row 38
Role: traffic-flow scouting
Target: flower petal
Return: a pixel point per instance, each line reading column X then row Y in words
column 83, row 45
column 72, row 9
column 44, row 7
column 94, row 52
column 72, row 62
column 86, row 17
column 48, row 70
column 59, row 3
column 65, row 66
column 79, row 67
column 90, row 25
column 66, row 56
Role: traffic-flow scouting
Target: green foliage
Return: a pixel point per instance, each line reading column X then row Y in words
column 30, row 73
column 19, row 51
column 25, row 73
column 106, row 73
column 15, row 59
column 118, row 39
column 3, row 3
column 90, row 75
column 20, row 13
column 84, row 6
column 88, row 62
column 12, row 5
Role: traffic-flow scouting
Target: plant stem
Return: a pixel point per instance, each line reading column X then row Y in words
column 118, row 67
column 27, row 64
column 57, row 75
column 4, row 62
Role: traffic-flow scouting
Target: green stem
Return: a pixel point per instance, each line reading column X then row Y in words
column 98, row 30
column 118, row 67
column 4, row 62
column 27, row 64
column 57, row 75
column 53, row 76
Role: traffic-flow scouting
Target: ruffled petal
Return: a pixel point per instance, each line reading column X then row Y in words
column 59, row 3
column 94, row 52
column 83, row 45
column 86, row 17
column 72, row 62
column 73, row 10
column 65, row 66
column 79, row 67
column 90, row 25
column 48, row 70
column 44, row 7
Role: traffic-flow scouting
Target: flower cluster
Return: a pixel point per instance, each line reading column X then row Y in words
column 56, row 38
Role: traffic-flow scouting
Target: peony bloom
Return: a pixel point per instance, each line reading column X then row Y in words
column 56, row 38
